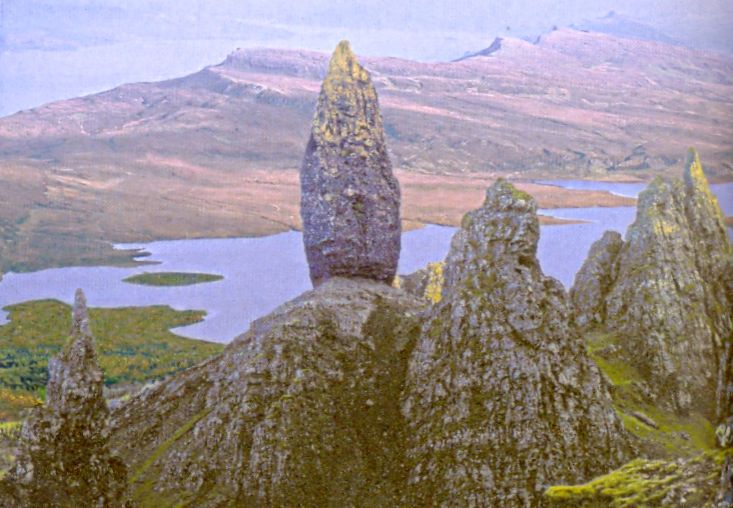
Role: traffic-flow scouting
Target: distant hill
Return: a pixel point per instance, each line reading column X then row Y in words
column 216, row 153
column 623, row 26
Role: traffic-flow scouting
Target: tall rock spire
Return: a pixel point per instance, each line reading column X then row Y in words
column 501, row 397
column 350, row 200
column 64, row 458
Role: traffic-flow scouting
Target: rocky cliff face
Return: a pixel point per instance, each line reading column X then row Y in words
column 350, row 200
column 304, row 409
column 501, row 398
column 665, row 292
column 64, row 459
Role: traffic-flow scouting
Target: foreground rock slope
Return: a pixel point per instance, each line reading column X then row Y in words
column 501, row 398
column 666, row 291
column 64, row 457
column 350, row 200
column 304, row 409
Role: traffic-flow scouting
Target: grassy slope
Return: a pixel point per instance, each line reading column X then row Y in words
column 134, row 345
column 678, row 452
column 171, row 278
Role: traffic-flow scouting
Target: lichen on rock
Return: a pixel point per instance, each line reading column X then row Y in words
column 426, row 283
column 501, row 398
column 666, row 293
column 350, row 199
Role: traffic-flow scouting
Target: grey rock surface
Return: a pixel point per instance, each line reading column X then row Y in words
column 302, row 410
column 64, row 457
column 669, row 296
column 501, row 398
column 350, row 200
column 594, row 280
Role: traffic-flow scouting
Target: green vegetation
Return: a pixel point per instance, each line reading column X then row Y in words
column 644, row 482
column 171, row 278
column 672, row 435
column 683, row 446
column 134, row 345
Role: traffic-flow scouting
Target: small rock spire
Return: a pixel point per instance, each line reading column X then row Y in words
column 64, row 457
column 501, row 398
column 80, row 316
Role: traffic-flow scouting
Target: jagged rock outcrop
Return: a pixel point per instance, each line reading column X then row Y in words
column 302, row 410
column 668, row 295
column 350, row 200
column 501, row 398
column 594, row 279
column 64, row 458
column 425, row 283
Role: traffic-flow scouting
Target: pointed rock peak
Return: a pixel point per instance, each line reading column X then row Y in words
column 503, row 196
column 696, row 183
column 348, row 109
column 344, row 64
column 350, row 199
column 694, row 176
column 80, row 316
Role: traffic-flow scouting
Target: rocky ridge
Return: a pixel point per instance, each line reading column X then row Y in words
column 350, row 200
column 304, row 406
column 501, row 398
column 664, row 290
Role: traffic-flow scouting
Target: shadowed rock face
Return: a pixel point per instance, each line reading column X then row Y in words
column 64, row 459
column 501, row 398
column 302, row 410
column 667, row 292
column 594, row 279
column 350, row 199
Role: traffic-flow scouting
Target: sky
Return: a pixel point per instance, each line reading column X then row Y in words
column 55, row 49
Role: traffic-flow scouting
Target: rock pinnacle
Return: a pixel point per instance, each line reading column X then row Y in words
column 350, row 199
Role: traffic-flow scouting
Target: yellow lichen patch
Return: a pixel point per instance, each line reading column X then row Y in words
column 694, row 173
column 645, row 483
column 665, row 228
column 696, row 180
column 343, row 111
column 434, row 287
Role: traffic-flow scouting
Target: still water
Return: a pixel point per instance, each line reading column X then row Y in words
column 261, row 273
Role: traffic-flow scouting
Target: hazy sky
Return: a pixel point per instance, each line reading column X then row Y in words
column 54, row 49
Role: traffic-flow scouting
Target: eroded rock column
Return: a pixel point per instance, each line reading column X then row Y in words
column 350, row 200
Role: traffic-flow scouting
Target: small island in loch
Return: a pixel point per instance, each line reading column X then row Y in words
column 172, row 278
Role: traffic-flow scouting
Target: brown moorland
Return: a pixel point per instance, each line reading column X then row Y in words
column 216, row 153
